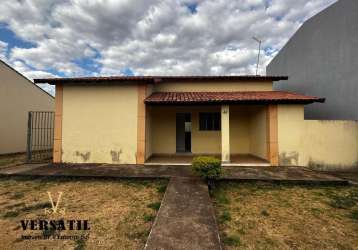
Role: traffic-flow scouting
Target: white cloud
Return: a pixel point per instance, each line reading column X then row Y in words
column 150, row 36
column 3, row 50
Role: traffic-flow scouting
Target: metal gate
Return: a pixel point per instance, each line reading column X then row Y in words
column 40, row 132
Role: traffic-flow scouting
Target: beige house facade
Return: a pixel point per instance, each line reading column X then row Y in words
column 170, row 119
column 18, row 96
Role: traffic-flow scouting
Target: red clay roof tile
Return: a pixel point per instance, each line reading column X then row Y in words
column 230, row 97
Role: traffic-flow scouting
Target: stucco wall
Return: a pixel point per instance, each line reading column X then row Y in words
column 99, row 124
column 213, row 86
column 258, row 129
column 318, row 144
column 331, row 144
column 290, row 134
column 163, row 128
column 239, row 130
column 18, row 96
column 148, row 126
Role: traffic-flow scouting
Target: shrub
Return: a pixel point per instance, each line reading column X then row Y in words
column 10, row 214
column 344, row 201
column 154, row 205
column 233, row 240
column 354, row 215
column 161, row 188
column 148, row 217
column 224, row 217
column 207, row 167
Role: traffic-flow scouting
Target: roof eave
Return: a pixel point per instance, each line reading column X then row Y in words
column 154, row 79
column 220, row 102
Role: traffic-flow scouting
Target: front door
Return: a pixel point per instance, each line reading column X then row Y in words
column 183, row 132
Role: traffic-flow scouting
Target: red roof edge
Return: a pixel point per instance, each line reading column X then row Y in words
column 250, row 97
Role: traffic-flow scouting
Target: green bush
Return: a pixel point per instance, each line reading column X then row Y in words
column 207, row 167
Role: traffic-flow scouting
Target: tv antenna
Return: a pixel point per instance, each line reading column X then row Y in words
column 258, row 56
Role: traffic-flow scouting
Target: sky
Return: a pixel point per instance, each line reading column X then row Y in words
column 69, row 38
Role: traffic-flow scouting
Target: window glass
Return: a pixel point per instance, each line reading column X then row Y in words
column 209, row 121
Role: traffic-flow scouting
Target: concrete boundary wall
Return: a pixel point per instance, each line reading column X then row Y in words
column 318, row 144
column 330, row 144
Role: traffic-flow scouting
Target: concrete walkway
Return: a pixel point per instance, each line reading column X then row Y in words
column 351, row 175
column 17, row 169
column 186, row 218
column 276, row 174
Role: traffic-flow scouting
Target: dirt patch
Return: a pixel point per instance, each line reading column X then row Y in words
column 118, row 211
column 269, row 216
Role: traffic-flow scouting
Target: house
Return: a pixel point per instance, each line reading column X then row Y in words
column 322, row 59
column 170, row 119
column 18, row 96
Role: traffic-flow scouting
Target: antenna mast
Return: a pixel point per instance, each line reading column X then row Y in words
column 258, row 56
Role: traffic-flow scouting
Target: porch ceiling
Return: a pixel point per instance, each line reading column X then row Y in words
column 249, row 97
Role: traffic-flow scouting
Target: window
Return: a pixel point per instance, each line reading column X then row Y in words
column 209, row 121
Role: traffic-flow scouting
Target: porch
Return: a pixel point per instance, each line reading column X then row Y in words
column 237, row 134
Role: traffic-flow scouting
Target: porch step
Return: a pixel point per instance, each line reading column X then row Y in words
column 224, row 164
column 246, row 164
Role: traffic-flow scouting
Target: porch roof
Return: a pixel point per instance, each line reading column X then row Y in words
column 249, row 97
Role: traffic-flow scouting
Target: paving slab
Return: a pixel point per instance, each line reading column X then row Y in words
column 280, row 174
column 351, row 176
column 258, row 173
column 186, row 218
column 20, row 168
column 105, row 170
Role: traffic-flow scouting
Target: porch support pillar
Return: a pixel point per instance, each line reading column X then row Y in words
column 225, row 133
column 57, row 143
column 142, row 92
column 272, row 134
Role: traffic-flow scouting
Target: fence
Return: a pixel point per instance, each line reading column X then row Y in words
column 40, row 133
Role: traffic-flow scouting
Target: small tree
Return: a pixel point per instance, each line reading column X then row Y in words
column 209, row 168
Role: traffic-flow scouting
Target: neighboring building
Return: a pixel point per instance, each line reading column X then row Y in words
column 152, row 120
column 18, row 96
column 322, row 59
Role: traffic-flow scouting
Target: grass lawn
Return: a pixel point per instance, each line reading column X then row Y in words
column 9, row 160
column 120, row 212
column 269, row 216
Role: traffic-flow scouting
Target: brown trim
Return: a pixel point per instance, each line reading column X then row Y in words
column 57, row 144
column 142, row 92
column 272, row 134
column 156, row 79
